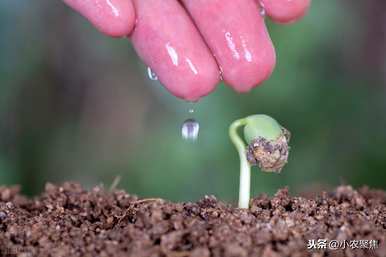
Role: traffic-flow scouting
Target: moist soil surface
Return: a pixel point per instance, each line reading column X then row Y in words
column 67, row 220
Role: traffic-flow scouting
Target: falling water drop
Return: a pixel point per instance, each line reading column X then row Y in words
column 190, row 129
column 151, row 74
column 191, row 109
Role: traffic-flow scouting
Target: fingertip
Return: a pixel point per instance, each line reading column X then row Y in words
column 239, row 40
column 115, row 18
column 169, row 43
column 285, row 11
column 244, row 78
column 119, row 26
column 202, row 86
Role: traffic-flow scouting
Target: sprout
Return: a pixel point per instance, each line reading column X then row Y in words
column 267, row 148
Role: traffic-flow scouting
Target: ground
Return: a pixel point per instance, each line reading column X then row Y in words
column 67, row 220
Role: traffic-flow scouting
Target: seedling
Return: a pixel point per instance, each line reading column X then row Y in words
column 267, row 148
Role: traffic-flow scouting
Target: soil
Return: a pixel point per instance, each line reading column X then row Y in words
column 67, row 220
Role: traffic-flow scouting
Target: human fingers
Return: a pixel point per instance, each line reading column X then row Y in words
column 168, row 42
column 237, row 37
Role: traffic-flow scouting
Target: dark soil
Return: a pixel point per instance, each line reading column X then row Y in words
column 70, row 221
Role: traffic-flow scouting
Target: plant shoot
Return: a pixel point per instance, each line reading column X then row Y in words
column 265, row 145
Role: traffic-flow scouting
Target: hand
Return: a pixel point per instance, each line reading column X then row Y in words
column 192, row 44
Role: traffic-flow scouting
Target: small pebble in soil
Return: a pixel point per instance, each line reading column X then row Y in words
column 3, row 215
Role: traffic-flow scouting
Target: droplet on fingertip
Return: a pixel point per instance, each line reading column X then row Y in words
column 262, row 10
column 151, row 74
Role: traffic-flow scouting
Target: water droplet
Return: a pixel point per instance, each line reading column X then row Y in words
column 151, row 74
column 262, row 10
column 190, row 129
column 191, row 107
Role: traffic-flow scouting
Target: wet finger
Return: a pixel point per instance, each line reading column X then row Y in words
column 285, row 11
column 114, row 18
column 168, row 42
column 238, row 38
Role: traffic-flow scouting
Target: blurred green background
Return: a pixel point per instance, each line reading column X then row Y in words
column 76, row 105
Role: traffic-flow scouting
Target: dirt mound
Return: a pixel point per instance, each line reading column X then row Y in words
column 70, row 221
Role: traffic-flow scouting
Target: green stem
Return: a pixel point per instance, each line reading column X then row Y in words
column 245, row 168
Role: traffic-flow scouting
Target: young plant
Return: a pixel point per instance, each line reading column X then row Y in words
column 267, row 148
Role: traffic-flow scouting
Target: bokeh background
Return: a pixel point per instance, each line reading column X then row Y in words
column 76, row 105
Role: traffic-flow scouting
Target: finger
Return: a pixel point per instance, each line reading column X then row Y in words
column 238, row 38
column 168, row 42
column 112, row 17
column 285, row 11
